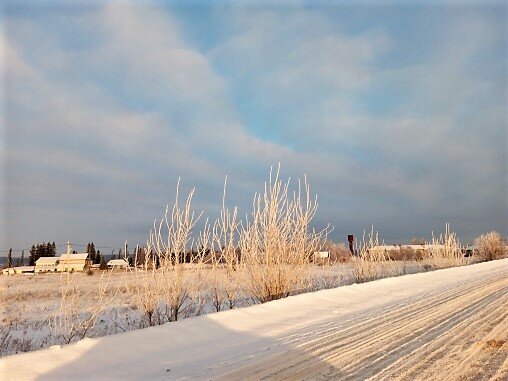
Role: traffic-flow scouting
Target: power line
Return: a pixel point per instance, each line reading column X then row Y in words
column 64, row 245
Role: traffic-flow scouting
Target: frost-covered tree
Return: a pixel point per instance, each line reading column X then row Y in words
column 490, row 246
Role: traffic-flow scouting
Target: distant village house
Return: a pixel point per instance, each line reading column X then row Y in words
column 46, row 265
column 118, row 264
column 66, row 262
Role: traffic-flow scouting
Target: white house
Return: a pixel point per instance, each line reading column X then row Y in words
column 46, row 264
column 118, row 264
column 321, row 255
column 73, row 262
column 387, row 248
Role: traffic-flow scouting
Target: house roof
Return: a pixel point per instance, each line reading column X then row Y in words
column 67, row 257
column 414, row 247
column 46, row 260
column 22, row 268
column 118, row 262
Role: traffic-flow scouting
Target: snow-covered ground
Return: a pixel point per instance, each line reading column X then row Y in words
column 29, row 301
column 441, row 325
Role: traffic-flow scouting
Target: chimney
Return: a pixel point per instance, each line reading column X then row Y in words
column 351, row 239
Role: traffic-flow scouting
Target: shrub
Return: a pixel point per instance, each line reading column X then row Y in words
column 167, row 291
column 490, row 246
column 277, row 243
column 339, row 252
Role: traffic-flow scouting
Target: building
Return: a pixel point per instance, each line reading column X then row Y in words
column 471, row 250
column 46, row 264
column 402, row 252
column 321, row 256
column 118, row 264
column 18, row 270
column 73, row 262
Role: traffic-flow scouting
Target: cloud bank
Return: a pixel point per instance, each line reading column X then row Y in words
column 396, row 116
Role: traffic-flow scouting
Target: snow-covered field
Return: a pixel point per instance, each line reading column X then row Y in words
column 443, row 325
column 28, row 301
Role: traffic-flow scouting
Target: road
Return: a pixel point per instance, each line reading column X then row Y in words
column 455, row 333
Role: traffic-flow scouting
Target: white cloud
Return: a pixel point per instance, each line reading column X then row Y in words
column 64, row 124
column 125, row 104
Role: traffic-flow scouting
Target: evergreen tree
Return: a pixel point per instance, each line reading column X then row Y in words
column 98, row 257
column 31, row 258
column 103, row 264
column 90, row 249
column 140, row 256
column 22, row 258
column 41, row 250
column 9, row 258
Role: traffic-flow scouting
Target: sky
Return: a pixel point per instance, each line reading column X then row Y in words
column 396, row 113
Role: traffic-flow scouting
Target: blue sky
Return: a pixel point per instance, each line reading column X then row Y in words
column 396, row 113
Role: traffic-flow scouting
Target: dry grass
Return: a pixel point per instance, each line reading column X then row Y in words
column 73, row 321
column 444, row 251
column 371, row 264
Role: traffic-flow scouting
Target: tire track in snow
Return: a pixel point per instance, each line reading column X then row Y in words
column 371, row 344
column 450, row 344
column 399, row 343
column 383, row 312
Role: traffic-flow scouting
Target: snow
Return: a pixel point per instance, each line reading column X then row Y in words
column 46, row 260
column 118, row 262
column 70, row 257
column 212, row 345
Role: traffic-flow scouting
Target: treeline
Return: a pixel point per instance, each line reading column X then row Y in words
column 40, row 250
column 36, row 251
column 139, row 256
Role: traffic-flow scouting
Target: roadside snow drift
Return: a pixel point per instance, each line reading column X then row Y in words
column 444, row 324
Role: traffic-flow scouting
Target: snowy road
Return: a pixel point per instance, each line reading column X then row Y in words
column 444, row 325
column 455, row 333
